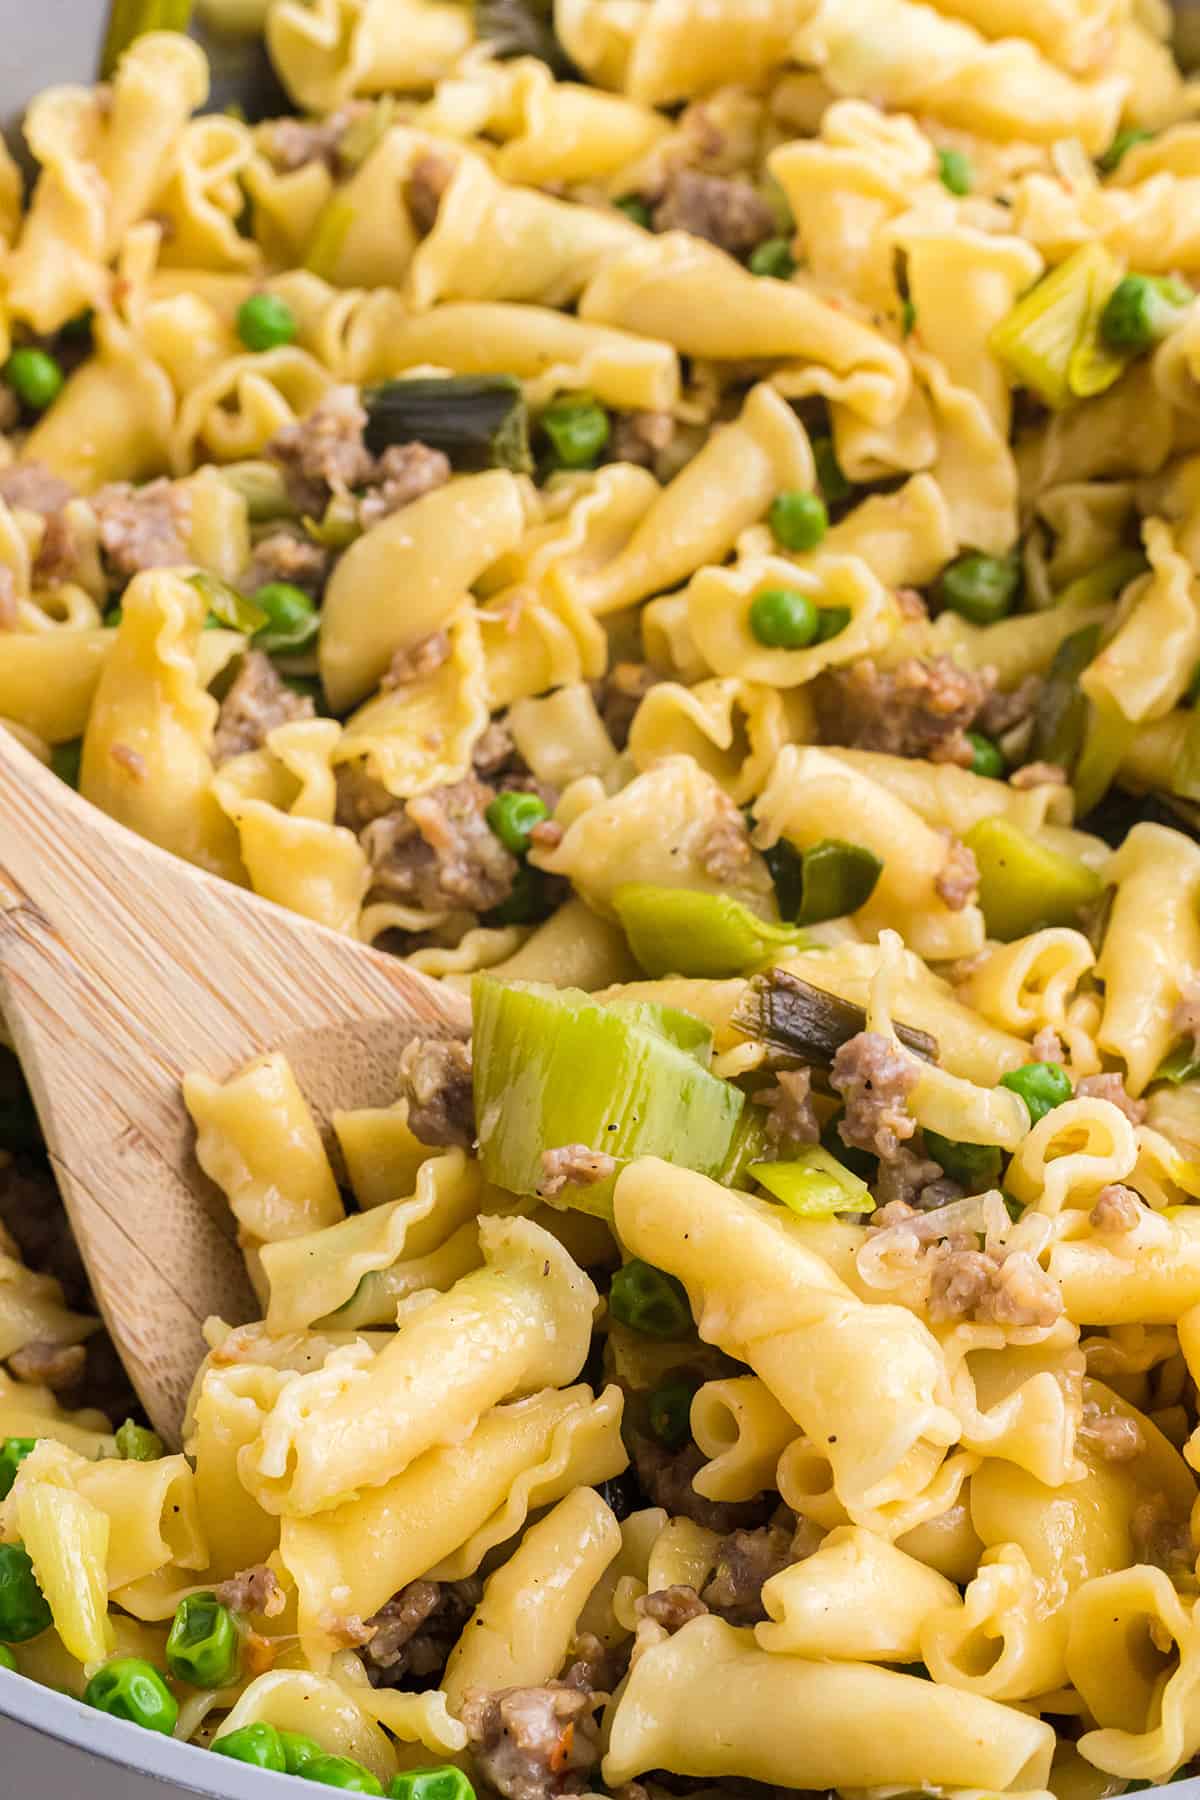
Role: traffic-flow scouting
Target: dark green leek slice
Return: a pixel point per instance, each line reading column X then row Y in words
column 553, row 1068
column 227, row 606
column 478, row 421
column 130, row 19
column 678, row 931
column 836, row 878
column 814, row 1184
column 1181, row 1065
column 804, row 1021
column 1024, row 884
column 523, row 28
column 1060, row 721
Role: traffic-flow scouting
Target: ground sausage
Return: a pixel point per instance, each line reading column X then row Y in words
column 1038, row 774
column 258, row 700
column 874, row 1079
column 920, row 708
column 1116, row 1210
column 31, row 487
column 1110, row 1086
column 142, row 528
column 671, row 1607
column 428, row 180
column 324, row 454
column 8, row 599
column 745, row 1560
column 402, row 474
column 438, row 852
column 435, row 1079
column 620, row 694
column 639, row 437
column 1115, row 1438
column 791, row 1117
column 252, row 1590
column 294, row 143
column 574, row 1165
column 724, row 853
column 957, row 882
column 1003, row 712
column 729, row 213
column 533, row 1743
column 56, row 1366
column 975, row 1284
column 287, row 555
column 913, row 1179
column 665, row 1477
column 417, row 662
column 415, row 1631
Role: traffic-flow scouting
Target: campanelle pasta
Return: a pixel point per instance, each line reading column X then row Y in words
column 680, row 518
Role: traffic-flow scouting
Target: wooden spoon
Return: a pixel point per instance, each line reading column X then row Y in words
column 121, row 969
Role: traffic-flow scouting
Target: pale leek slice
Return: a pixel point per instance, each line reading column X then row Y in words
column 814, row 1184
column 1052, row 327
column 553, row 1068
column 131, row 19
column 1025, row 885
column 679, row 931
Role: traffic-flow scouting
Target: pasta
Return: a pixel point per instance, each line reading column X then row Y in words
column 680, row 519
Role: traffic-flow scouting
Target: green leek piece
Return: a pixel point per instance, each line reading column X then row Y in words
column 1039, row 337
column 814, row 1184
column 66, row 761
column 130, row 19
column 551, row 1068
column 1185, row 771
column 523, row 28
column 329, row 235
column 987, row 758
column 773, row 257
column 831, row 478
column 1060, row 720
column 669, row 1413
column 365, row 132
column 682, row 1030
column 649, row 1300
column 1095, row 365
column 1182, row 1064
column 137, row 1443
column 1106, row 581
column 677, row 931
column 1109, row 159
column 836, row 878
column 750, row 1145
column 1023, row 884
column 577, row 429
column 262, row 487
column 13, row 1452
column 1105, row 740
column 338, row 525
column 478, row 421
column 227, row 606
column 908, row 318
column 954, row 170
column 976, row 1166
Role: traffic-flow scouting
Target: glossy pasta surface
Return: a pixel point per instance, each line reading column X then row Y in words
column 682, row 519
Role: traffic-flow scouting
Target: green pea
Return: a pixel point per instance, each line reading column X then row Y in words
column 831, row 478
column 784, row 619
column 128, row 1688
column 342, row 1772
column 136, row 1443
column 578, row 429
column 635, row 208
column 292, row 618
column 258, row 1744
column 799, row 521
column 265, row 322
column 23, row 1610
column 982, row 588
column 13, row 1452
column 66, row 759
column 34, row 377
column 649, row 1300
column 669, row 1410
column 446, row 1783
column 1041, row 1085
column 298, row 1751
column 773, row 257
column 831, row 622
column 976, row 1166
column 986, row 757
column 1142, row 310
column 512, row 816
column 1124, row 140
column 7, row 1659
column 955, row 171
column 202, row 1647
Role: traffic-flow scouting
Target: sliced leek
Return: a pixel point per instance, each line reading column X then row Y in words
column 814, row 1184
column 677, row 931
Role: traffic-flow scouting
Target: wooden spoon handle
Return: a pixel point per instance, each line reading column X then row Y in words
column 121, row 968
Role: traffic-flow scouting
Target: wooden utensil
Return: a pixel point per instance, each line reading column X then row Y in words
column 121, row 968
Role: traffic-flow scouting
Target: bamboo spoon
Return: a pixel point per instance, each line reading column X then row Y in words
column 121, row 968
